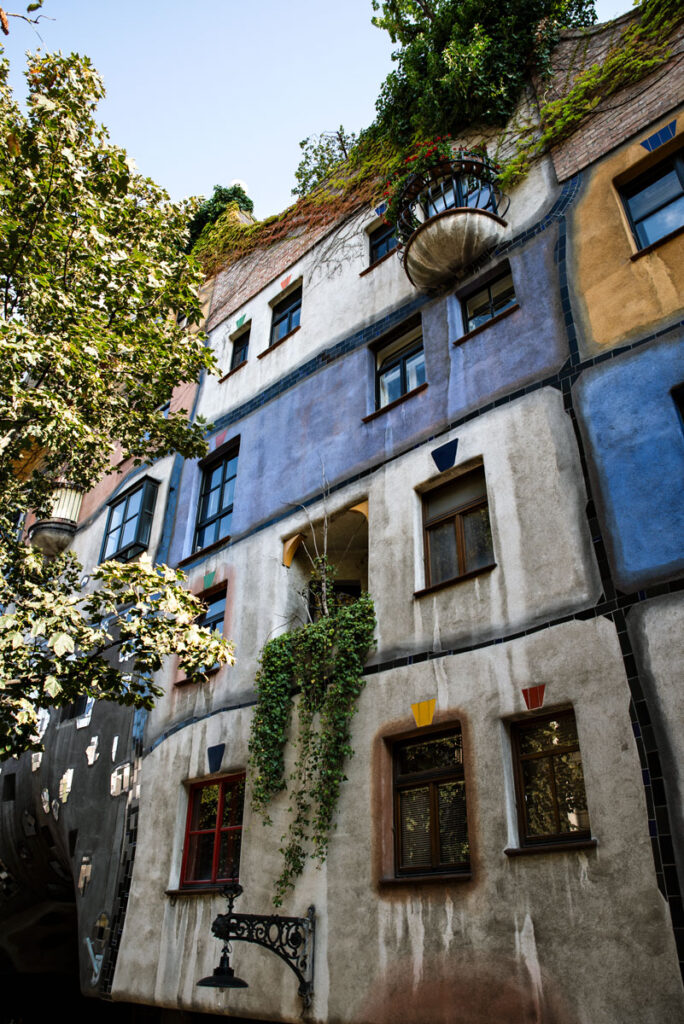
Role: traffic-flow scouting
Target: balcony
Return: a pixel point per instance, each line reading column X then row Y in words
column 53, row 535
column 448, row 218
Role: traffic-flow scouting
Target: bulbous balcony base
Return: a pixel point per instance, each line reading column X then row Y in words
column 52, row 536
column 442, row 248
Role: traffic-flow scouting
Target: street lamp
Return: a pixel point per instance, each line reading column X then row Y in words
column 290, row 938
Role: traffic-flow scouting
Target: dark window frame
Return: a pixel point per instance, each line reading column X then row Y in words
column 518, row 728
column 487, row 284
column 287, row 311
column 225, row 455
column 144, row 516
column 453, row 192
column 629, row 190
column 240, row 348
column 456, row 513
column 377, row 238
column 214, row 594
column 232, row 783
column 413, row 331
column 432, row 778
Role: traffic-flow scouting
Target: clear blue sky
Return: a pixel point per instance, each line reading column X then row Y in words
column 206, row 92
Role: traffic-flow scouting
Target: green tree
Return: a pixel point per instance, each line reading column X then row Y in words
column 321, row 154
column 461, row 62
column 92, row 276
column 209, row 211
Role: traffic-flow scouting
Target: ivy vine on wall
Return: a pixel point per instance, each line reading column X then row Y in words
column 323, row 663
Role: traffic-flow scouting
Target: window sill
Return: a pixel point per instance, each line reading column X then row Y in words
column 483, row 327
column 279, row 342
column 201, row 552
column 461, row 876
column 196, row 682
column 654, row 245
column 231, row 372
column 199, row 890
column 564, row 847
column 378, row 262
column 454, row 579
column 395, row 403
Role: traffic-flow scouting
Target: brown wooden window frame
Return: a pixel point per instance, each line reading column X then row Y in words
column 517, row 729
column 432, row 778
column 456, row 514
column 231, row 784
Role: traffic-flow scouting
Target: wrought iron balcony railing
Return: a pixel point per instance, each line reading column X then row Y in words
column 464, row 182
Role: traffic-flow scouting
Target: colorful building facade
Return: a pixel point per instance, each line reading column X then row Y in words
column 498, row 462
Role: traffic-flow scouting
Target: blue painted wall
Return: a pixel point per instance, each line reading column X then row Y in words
column 635, row 440
column 317, row 422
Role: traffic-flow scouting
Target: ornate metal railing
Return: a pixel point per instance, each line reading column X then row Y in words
column 465, row 181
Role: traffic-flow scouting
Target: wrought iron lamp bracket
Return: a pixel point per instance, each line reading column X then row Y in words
column 290, row 938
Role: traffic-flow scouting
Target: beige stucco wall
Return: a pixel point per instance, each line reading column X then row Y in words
column 579, row 937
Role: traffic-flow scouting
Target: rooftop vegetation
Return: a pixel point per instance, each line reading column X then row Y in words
column 459, row 64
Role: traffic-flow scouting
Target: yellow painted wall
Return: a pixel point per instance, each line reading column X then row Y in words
column 618, row 298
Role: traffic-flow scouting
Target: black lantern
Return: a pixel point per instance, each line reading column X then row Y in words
column 290, row 938
column 224, row 975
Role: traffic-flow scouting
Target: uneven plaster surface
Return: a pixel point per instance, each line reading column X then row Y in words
column 658, row 629
column 526, row 922
column 617, row 298
column 635, row 440
column 545, row 565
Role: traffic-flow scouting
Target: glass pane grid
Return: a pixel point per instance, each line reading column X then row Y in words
column 551, row 779
column 213, row 848
column 430, row 807
column 214, row 518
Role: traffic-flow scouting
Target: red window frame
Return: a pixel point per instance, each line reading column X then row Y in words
column 230, row 788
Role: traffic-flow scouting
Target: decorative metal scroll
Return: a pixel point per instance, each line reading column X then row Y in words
column 290, row 938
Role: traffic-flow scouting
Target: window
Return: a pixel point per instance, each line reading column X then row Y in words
column 216, row 611
column 552, row 804
column 458, row 539
column 430, row 820
column 489, row 301
column 240, row 349
column 77, row 708
column 460, row 190
column 129, row 523
column 655, row 200
column 213, row 834
column 286, row 314
column 382, row 241
column 400, row 367
column 215, row 512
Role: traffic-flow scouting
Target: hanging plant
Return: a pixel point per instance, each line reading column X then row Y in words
column 323, row 662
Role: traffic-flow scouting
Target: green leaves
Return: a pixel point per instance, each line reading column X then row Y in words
column 464, row 62
column 323, row 661
column 59, row 642
column 322, row 153
column 92, row 275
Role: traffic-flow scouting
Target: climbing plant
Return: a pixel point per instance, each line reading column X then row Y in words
column 323, row 663
column 640, row 49
column 459, row 64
